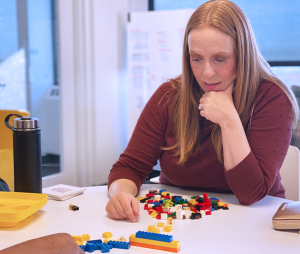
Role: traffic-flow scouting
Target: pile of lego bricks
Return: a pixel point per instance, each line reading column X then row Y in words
column 104, row 246
column 154, row 241
column 161, row 205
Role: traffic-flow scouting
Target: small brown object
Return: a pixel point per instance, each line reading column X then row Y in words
column 287, row 216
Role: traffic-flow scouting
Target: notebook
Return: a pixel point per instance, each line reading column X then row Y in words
column 287, row 216
column 62, row 192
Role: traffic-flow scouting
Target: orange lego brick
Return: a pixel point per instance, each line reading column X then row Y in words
column 155, row 247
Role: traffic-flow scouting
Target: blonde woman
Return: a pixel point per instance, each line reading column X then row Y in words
column 224, row 125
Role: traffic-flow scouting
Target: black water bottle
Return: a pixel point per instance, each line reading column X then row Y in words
column 27, row 154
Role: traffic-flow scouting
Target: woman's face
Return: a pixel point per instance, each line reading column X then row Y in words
column 213, row 59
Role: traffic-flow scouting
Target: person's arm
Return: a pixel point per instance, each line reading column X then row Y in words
column 252, row 173
column 52, row 244
column 138, row 159
column 219, row 108
column 269, row 134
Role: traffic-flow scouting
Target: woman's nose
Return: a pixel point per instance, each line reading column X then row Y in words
column 208, row 70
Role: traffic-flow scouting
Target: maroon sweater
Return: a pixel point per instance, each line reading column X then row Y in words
column 253, row 178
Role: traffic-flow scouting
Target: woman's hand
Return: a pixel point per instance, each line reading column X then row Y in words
column 52, row 244
column 218, row 107
column 123, row 206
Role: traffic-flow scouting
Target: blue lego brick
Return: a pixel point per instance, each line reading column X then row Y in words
column 104, row 247
column 161, row 191
column 119, row 245
column 90, row 247
column 177, row 199
column 154, row 236
column 95, row 241
column 82, row 247
column 212, row 209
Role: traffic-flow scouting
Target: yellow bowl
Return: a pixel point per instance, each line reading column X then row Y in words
column 17, row 206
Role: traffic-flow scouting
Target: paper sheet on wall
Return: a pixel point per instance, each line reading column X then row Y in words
column 154, row 48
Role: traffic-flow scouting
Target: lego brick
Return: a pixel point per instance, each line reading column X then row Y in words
column 155, row 247
column 170, row 221
column 160, row 224
column 140, row 198
column 82, row 247
column 95, row 241
column 143, row 200
column 107, row 235
column 154, row 236
column 168, row 228
column 73, row 207
column 179, row 214
column 119, row 245
column 164, row 216
column 123, row 239
column 104, row 248
column 86, row 237
column 153, row 229
column 173, row 244
column 90, row 247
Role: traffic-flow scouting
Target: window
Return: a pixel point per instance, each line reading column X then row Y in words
column 28, row 69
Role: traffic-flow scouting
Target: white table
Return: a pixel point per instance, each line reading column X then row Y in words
column 241, row 229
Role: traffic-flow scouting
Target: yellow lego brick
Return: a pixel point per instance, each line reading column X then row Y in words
column 170, row 221
column 139, row 198
column 156, row 230
column 154, row 213
column 153, row 229
column 168, row 228
column 173, row 244
column 106, row 240
column 193, row 201
column 220, row 203
column 107, row 235
column 160, row 224
column 86, row 237
column 186, row 208
column 79, row 242
column 150, row 228
column 164, row 193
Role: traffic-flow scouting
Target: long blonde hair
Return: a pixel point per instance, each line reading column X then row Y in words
column 252, row 69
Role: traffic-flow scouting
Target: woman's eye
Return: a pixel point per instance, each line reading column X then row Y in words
column 220, row 60
column 196, row 60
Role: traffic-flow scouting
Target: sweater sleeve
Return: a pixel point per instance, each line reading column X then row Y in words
column 144, row 147
column 269, row 134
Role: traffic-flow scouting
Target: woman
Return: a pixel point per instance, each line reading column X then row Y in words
column 238, row 140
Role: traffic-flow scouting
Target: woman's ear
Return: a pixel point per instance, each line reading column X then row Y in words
column 3, row 185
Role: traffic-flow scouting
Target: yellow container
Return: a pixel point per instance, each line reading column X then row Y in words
column 17, row 206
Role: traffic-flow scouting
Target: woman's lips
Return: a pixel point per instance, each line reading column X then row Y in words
column 211, row 84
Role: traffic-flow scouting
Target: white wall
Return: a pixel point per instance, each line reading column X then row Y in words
column 93, row 84
column 111, row 116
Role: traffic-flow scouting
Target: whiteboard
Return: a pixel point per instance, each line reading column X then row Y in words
column 154, row 54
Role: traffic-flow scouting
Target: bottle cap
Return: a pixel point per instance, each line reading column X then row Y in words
column 26, row 123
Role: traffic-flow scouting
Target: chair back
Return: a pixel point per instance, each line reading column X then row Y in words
column 6, row 147
column 290, row 174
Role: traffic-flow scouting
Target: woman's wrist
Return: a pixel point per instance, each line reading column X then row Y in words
column 122, row 185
